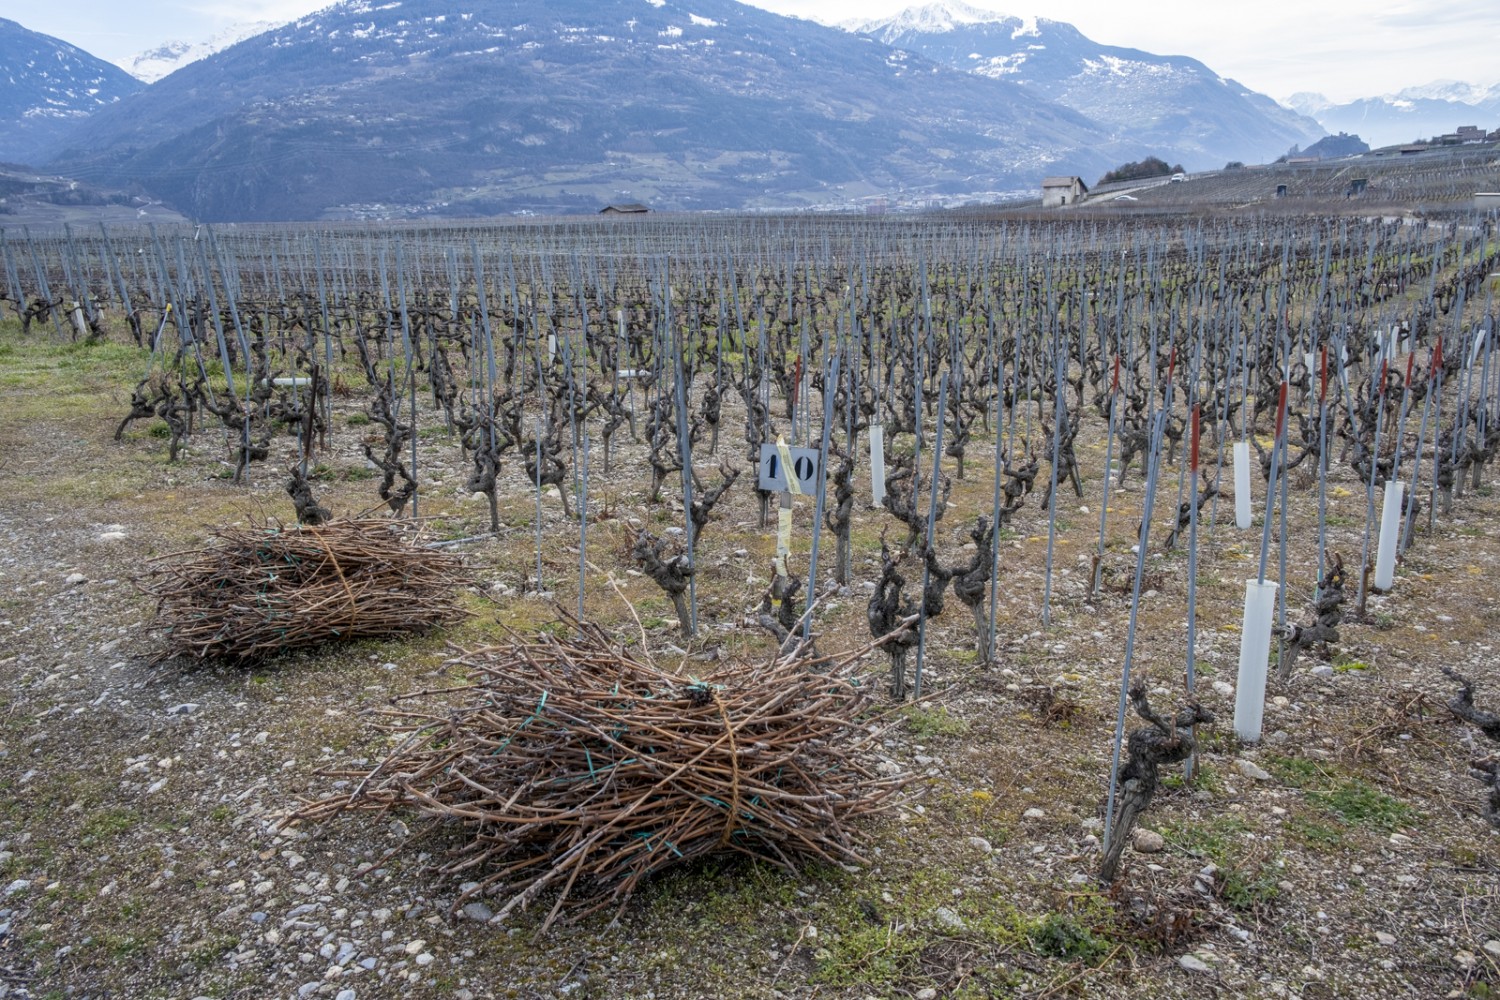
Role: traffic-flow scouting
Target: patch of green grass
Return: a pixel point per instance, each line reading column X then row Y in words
column 211, row 949
column 988, row 984
column 1314, row 834
column 1249, row 887
column 1217, row 741
column 1062, row 936
column 84, row 355
column 1359, row 804
column 107, row 824
column 1085, row 929
column 1217, row 838
column 357, row 420
column 122, row 945
column 931, row 723
column 1465, row 857
column 358, row 473
column 861, row 945
column 1298, row 772
column 873, row 956
column 1208, row 779
column 1246, row 883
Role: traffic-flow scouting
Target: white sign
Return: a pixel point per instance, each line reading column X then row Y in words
column 774, row 461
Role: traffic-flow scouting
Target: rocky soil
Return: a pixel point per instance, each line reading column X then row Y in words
column 141, row 853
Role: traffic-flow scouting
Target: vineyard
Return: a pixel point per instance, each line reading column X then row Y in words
column 815, row 607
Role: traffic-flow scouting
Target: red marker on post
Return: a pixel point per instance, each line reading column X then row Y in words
column 1193, row 451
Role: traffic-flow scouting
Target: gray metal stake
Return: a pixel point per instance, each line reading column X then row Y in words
column 831, row 378
column 937, row 462
column 1135, row 605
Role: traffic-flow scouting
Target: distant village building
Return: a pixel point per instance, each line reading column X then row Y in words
column 1058, row 192
column 1414, row 149
column 1357, row 186
column 1470, row 133
column 629, row 208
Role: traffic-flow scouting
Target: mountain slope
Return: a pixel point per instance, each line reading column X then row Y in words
column 1174, row 105
column 48, row 85
column 441, row 107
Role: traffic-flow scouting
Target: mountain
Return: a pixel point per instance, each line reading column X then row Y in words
column 1413, row 113
column 468, row 107
column 153, row 64
column 1455, row 91
column 1175, row 106
column 49, row 86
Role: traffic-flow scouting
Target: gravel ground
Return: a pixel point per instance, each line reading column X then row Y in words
column 140, row 852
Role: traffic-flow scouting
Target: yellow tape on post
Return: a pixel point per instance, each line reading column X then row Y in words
column 793, row 486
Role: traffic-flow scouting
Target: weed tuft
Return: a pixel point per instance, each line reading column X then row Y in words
column 932, row 723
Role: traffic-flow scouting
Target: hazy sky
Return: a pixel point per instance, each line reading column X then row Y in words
column 1344, row 48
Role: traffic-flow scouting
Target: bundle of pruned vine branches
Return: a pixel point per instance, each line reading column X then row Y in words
column 268, row 588
column 575, row 769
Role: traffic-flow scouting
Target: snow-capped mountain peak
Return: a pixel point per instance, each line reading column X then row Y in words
column 1164, row 102
column 1307, row 102
column 1444, row 90
column 932, row 18
column 153, row 64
